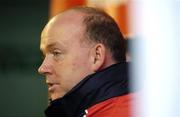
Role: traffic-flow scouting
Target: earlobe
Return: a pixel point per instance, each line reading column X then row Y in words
column 98, row 57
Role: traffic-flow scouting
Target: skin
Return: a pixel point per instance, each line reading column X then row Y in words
column 67, row 58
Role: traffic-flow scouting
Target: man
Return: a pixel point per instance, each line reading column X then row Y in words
column 84, row 65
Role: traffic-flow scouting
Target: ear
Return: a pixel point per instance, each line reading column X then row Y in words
column 98, row 56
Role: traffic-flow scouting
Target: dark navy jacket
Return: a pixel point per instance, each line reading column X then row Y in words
column 95, row 88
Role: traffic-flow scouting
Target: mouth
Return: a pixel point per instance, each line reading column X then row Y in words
column 52, row 86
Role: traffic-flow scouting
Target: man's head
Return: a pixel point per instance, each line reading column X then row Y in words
column 76, row 43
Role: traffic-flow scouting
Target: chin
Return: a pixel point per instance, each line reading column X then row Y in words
column 55, row 96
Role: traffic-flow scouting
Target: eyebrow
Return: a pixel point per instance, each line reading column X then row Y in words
column 50, row 46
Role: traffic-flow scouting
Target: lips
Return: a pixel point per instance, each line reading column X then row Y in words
column 51, row 86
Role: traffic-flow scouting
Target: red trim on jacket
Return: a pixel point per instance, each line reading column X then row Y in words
column 114, row 107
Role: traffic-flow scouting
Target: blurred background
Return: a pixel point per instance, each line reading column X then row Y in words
column 153, row 25
column 23, row 90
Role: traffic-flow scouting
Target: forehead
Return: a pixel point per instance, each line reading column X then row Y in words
column 64, row 28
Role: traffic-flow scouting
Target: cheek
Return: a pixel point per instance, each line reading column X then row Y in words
column 65, row 70
column 78, row 63
column 71, row 70
column 72, row 65
column 81, row 68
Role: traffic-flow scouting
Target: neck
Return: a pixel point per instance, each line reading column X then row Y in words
column 108, row 62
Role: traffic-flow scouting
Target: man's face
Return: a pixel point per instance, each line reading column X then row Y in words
column 67, row 59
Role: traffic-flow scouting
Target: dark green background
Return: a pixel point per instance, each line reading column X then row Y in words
column 22, row 91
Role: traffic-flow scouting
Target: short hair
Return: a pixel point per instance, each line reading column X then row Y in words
column 102, row 28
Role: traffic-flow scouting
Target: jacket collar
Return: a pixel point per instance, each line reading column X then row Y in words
column 107, row 83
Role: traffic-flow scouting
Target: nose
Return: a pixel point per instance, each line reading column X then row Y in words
column 41, row 69
column 44, row 67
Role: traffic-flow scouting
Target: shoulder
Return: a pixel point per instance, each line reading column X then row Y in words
column 113, row 107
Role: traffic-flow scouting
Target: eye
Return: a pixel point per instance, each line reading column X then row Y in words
column 56, row 53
